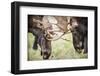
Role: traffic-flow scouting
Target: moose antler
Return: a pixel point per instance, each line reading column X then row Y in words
column 37, row 21
column 60, row 28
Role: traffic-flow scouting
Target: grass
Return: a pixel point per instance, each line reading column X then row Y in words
column 61, row 49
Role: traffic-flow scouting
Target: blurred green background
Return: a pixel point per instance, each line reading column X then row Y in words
column 61, row 49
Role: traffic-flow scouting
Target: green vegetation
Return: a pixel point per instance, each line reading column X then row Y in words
column 61, row 49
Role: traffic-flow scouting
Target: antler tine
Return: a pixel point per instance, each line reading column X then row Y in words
column 38, row 21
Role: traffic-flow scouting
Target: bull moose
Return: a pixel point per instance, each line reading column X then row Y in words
column 44, row 31
column 79, row 28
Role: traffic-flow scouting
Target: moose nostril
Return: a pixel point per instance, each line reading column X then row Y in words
column 79, row 44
